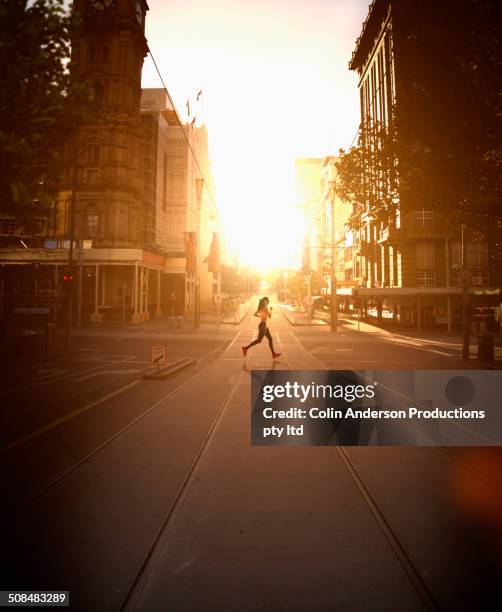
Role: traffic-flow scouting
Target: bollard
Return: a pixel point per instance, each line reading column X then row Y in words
column 485, row 348
column 50, row 330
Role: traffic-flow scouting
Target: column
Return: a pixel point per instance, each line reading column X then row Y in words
column 96, row 317
column 103, row 287
column 136, row 316
column 56, row 284
column 147, row 293
column 158, row 312
column 141, row 293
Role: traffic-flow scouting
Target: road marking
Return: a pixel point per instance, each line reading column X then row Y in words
column 440, row 352
column 67, row 417
column 46, row 372
column 103, row 372
column 51, row 380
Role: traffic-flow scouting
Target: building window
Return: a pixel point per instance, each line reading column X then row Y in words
column 426, row 255
column 426, row 278
column 426, row 264
column 92, row 221
column 99, row 92
column 176, row 180
column 92, row 176
column 477, row 254
column 93, row 152
column 123, row 223
column 481, row 278
column 423, row 218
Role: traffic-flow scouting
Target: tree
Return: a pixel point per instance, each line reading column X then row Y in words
column 39, row 106
column 366, row 173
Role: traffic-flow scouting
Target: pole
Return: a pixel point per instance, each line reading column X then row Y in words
column 334, row 296
column 69, row 302
column 448, row 297
column 80, row 270
column 465, row 302
column 123, row 303
column 199, row 185
column 218, row 305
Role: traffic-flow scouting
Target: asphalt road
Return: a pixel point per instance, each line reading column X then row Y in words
column 147, row 495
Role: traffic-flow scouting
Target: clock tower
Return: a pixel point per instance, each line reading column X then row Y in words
column 104, row 157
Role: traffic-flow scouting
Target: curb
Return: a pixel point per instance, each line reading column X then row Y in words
column 223, row 322
column 314, row 322
column 164, row 373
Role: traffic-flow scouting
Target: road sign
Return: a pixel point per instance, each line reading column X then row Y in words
column 158, row 354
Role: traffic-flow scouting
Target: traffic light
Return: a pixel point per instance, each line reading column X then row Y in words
column 67, row 283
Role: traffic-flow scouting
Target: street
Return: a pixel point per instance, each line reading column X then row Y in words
column 148, row 495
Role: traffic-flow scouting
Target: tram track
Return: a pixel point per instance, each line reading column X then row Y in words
column 98, row 449
column 410, row 569
column 140, row 578
column 135, row 589
column 412, row 572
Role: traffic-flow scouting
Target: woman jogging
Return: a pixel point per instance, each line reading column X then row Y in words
column 264, row 313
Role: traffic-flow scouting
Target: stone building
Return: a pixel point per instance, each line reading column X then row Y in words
column 127, row 194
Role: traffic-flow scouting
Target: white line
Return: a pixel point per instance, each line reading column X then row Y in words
column 103, row 372
column 53, row 424
column 55, row 379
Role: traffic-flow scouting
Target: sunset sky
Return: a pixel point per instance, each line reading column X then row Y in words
column 276, row 87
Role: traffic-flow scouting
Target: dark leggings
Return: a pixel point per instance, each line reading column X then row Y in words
column 263, row 331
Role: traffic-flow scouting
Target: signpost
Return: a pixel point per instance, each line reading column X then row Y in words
column 158, row 355
column 217, row 301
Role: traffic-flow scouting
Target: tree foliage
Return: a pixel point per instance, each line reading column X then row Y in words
column 366, row 173
column 39, row 106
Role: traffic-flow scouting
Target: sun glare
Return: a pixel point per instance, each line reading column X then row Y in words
column 274, row 90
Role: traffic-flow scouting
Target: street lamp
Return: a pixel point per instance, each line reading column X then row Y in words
column 199, row 186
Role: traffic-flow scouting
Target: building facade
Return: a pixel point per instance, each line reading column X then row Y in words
column 412, row 254
column 127, row 196
column 178, row 157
